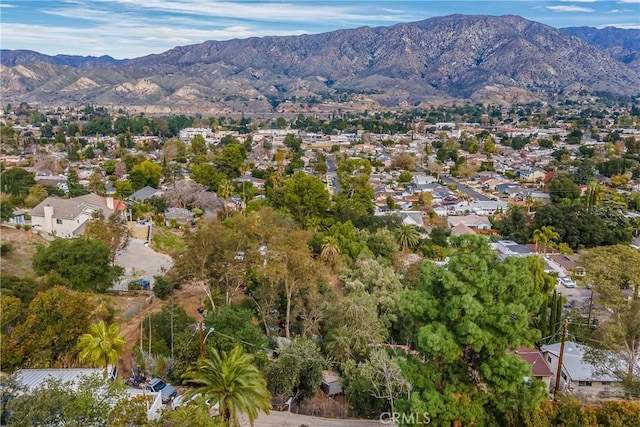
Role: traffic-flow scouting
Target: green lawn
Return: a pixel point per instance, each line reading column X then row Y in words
column 167, row 241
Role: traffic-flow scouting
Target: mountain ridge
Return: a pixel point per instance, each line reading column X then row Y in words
column 471, row 58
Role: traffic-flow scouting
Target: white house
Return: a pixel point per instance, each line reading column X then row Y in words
column 488, row 207
column 66, row 217
column 577, row 375
column 472, row 221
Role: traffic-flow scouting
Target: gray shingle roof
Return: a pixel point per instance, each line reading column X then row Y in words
column 71, row 208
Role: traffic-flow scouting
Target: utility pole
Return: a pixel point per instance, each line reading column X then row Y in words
column 565, row 325
column 201, row 333
column 590, row 307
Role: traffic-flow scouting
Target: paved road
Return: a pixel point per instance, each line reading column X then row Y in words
column 332, row 174
column 465, row 188
column 288, row 419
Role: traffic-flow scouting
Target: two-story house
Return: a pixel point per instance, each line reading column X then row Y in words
column 66, row 217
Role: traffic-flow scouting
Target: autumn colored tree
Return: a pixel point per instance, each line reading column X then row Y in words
column 47, row 337
column 146, row 173
column 615, row 274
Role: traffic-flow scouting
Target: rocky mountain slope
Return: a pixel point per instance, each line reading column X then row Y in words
column 621, row 44
column 447, row 59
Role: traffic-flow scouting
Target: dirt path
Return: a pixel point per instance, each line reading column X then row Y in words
column 189, row 297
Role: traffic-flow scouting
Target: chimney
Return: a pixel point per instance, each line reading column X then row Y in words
column 48, row 218
column 110, row 203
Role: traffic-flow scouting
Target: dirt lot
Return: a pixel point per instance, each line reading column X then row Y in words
column 129, row 310
column 23, row 245
column 132, row 310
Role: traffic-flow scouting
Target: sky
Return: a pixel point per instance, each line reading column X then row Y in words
column 133, row 28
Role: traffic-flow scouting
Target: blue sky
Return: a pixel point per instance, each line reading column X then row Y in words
column 131, row 28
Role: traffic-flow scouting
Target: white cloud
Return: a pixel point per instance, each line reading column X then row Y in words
column 570, row 9
column 119, row 40
column 262, row 11
column 624, row 26
column 578, row 1
column 629, row 1
column 130, row 28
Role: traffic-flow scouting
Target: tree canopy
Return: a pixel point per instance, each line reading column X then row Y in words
column 84, row 264
column 469, row 317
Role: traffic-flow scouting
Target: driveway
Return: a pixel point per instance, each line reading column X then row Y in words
column 289, row 419
column 139, row 260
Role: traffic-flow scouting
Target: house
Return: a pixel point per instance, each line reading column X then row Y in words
column 17, row 217
column 472, row 221
column 536, row 196
column 577, row 375
column 539, row 367
column 67, row 217
column 568, row 263
column 32, row 379
column 179, row 215
column 143, row 194
column 461, row 229
column 488, row 207
column 506, row 248
column 415, row 218
column 439, row 210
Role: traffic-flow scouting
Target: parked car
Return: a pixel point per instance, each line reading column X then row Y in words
column 167, row 391
column 567, row 282
column 141, row 284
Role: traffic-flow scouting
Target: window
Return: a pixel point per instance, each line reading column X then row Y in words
column 605, row 383
column 564, row 376
column 584, row 383
column 549, row 359
column 58, row 221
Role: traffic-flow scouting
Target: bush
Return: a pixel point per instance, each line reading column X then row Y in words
column 5, row 248
column 164, row 286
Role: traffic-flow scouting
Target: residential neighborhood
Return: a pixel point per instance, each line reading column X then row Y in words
column 331, row 258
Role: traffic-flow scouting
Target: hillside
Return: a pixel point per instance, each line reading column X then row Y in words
column 621, row 44
column 446, row 59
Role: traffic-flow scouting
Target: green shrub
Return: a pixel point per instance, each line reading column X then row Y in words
column 5, row 248
column 164, row 286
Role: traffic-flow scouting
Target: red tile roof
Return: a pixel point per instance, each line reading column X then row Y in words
column 533, row 357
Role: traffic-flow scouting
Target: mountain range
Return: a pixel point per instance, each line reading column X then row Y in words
column 457, row 58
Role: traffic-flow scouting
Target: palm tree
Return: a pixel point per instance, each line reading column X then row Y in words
column 528, row 201
column 234, row 382
column 330, row 249
column 544, row 236
column 225, row 190
column 102, row 345
column 408, row 236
